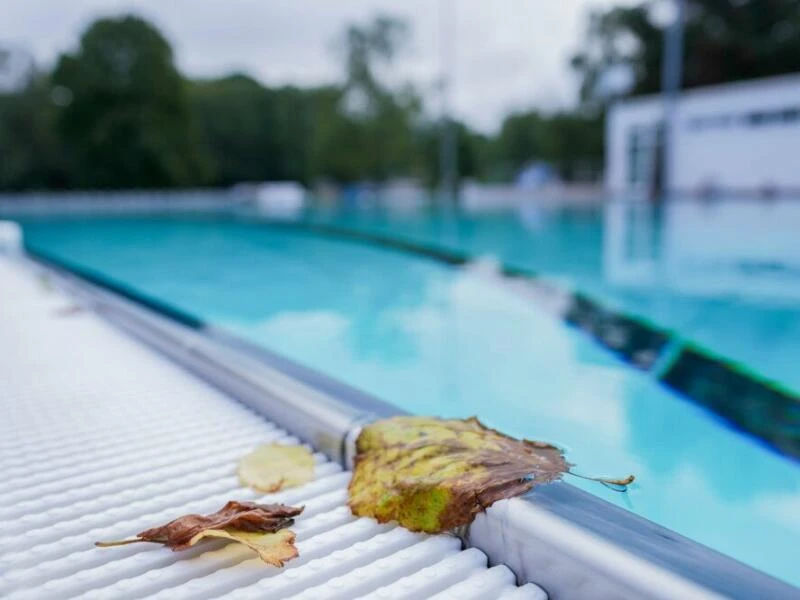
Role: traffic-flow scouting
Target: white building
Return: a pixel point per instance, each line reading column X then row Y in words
column 740, row 137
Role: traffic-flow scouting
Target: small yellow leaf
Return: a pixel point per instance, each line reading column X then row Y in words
column 273, row 548
column 272, row 467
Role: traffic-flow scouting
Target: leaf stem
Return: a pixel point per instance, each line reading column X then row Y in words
column 124, row 542
column 618, row 485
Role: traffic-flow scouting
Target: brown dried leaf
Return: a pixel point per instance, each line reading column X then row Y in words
column 433, row 475
column 273, row 548
column 273, row 467
column 236, row 519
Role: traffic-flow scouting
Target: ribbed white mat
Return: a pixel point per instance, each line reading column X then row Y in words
column 101, row 438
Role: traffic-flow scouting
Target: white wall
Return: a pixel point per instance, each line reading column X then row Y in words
column 736, row 155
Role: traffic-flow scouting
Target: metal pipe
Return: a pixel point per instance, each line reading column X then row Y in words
column 448, row 146
column 671, row 81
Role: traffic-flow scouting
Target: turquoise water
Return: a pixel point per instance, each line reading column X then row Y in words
column 434, row 339
column 723, row 276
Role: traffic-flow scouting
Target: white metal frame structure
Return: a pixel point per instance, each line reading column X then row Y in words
column 735, row 138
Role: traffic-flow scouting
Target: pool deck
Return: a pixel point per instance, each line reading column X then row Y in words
column 103, row 437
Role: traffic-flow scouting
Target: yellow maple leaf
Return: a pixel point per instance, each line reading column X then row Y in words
column 273, row 467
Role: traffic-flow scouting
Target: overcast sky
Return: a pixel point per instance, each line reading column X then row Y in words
column 507, row 54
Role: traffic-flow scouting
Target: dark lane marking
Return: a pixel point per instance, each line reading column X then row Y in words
column 752, row 406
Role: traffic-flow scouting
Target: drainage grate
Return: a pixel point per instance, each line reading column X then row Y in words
column 102, row 438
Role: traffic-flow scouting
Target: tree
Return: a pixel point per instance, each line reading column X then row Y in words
column 367, row 48
column 338, row 140
column 570, row 141
column 29, row 152
column 357, row 130
column 725, row 40
column 233, row 116
column 519, row 141
column 128, row 123
column 30, row 156
column 253, row 133
column 381, row 120
column 473, row 157
column 573, row 143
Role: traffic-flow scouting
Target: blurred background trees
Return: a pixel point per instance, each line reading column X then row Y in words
column 364, row 131
column 117, row 113
column 30, row 156
column 725, row 40
column 124, row 117
column 251, row 132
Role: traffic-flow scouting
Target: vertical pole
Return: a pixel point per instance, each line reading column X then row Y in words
column 448, row 150
column 671, row 80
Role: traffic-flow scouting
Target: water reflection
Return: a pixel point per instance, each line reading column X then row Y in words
column 736, row 249
column 724, row 275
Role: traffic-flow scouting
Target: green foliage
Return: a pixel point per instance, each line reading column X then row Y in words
column 379, row 119
column 117, row 113
column 29, row 153
column 522, row 136
column 473, row 153
column 369, row 46
column 128, row 123
column 252, row 133
column 572, row 142
column 134, row 122
column 357, row 131
column 725, row 40
column 337, row 140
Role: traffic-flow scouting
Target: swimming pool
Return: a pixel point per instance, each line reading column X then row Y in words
column 436, row 339
column 724, row 276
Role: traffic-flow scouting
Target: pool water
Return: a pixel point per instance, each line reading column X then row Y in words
column 435, row 339
column 723, row 276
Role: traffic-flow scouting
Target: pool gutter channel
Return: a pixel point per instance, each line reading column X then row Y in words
column 565, row 540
